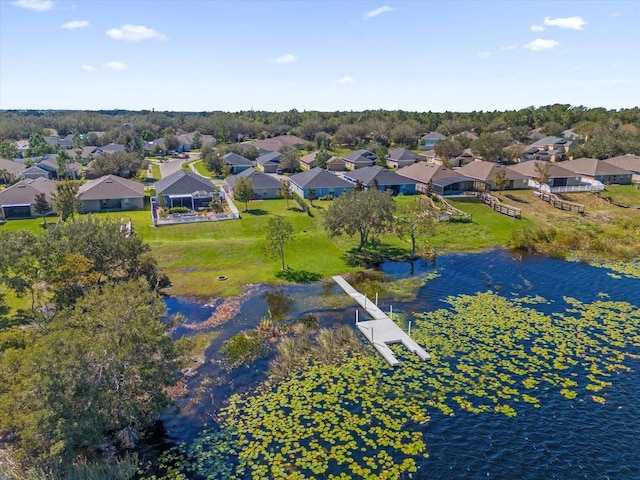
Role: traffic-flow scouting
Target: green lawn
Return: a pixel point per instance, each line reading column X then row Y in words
column 194, row 255
column 624, row 194
column 202, row 170
column 487, row 229
column 155, row 171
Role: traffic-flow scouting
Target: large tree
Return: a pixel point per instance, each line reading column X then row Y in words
column 243, row 191
column 414, row 221
column 290, row 161
column 122, row 164
column 212, row 158
column 8, row 150
column 42, row 207
column 279, row 234
column 94, row 377
column 360, row 212
column 65, row 199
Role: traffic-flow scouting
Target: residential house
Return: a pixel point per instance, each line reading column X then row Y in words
column 322, row 182
column 336, row 164
column 50, row 164
column 486, row 171
column 23, row 146
column 559, row 178
column 34, row 172
column 430, row 140
column 430, row 177
column 276, row 143
column 549, row 149
column 628, row 162
column 10, row 170
column 401, row 157
column 18, row 201
column 264, row 186
column 113, row 148
column 307, row 162
column 269, row 162
column 111, row 193
column 594, row 169
column 65, row 142
column 382, row 179
column 359, row 159
column 185, row 189
column 186, row 141
column 236, row 163
column 464, row 158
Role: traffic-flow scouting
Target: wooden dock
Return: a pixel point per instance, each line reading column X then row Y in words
column 381, row 331
column 556, row 202
column 498, row 206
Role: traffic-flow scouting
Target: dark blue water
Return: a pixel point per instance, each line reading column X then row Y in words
column 561, row 440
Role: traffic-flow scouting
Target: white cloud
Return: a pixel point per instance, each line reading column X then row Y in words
column 484, row 54
column 616, row 14
column 37, row 5
column 288, row 58
column 346, row 80
column 573, row 23
column 509, row 47
column 133, row 33
column 536, row 28
column 115, row 66
column 88, row 68
column 378, row 11
column 75, row 24
column 540, row 44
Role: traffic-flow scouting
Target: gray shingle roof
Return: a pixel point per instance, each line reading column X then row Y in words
column 593, row 167
column 424, row 172
column 402, row 154
column 14, row 168
column 528, row 169
column 628, row 162
column 259, row 180
column 235, row 159
column 271, row 157
column 24, row 192
column 485, row 171
column 110, row 187
column 318, row 178
column 183, row 183
column 367, row 175
column 361, row 156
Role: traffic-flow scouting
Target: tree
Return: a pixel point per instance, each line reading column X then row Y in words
column 122, row 164
column 8, row 150
column 311, row 195
column 62, row 160
column 37, row 146
column 448, row 148
column 171, row 142
column 279, row 234
column 489, row 146
column 243, row 191
column 414, row 220
column 542, row 173
column 500, row 179
column 216, row 205
column 285, row 190
column 212, row 159
column 95, row 376
column 197, row 140
column 321, row 159
column 65, row 200
column 515, row 152
column 290, row 162
column 361, row 212
column 42, row 207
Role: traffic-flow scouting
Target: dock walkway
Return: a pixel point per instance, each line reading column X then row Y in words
column 381, row 331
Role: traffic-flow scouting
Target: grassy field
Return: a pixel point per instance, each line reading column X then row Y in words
column 202, row 170
column 194, row 255
column 155, row 171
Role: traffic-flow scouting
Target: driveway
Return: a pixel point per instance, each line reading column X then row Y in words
column 167, row 168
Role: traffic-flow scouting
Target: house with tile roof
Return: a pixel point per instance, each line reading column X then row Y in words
column 549, row 149
column 401, row 157
column 18, row 200
column 264, row 185
column 236, row 163
column 269, row 162
column 629, row 162
column 430, row 177
column 559, row 179
column 359, row 159
column 594, row 169
column 382, row 179
column 322, row 182
column 185, row 189
column 109, row 193
column 486, row 172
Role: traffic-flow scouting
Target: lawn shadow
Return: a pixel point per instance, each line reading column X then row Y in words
column 298, row 276
column 514, row 198
column 373, row 255
column 256, row 212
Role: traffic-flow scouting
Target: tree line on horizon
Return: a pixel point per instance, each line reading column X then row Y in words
column 610, row 132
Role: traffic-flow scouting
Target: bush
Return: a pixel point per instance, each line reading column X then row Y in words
column 326, row 197
column 243, row 348
column 304, row 205
column 178, row 210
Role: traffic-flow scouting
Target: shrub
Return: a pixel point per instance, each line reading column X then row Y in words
column 178, row 210
column 243, row 348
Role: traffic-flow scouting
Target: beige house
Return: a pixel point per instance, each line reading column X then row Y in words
column 111, row 193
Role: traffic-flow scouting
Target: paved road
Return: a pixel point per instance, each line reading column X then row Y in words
column 167, row 168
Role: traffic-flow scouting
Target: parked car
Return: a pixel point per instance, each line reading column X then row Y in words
column 184, row 156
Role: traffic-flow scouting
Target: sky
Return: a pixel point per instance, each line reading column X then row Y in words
column 328, row 55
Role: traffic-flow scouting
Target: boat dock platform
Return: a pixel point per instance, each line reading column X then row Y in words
column 381, row 331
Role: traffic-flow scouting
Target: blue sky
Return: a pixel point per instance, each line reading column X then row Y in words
column 317, row 55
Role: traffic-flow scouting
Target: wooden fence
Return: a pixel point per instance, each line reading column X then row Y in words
column 498, row 206
column 556, row 202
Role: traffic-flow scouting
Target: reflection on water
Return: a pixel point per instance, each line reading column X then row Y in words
column 562, row 439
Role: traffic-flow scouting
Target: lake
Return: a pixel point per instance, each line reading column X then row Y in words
column 560, row 438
